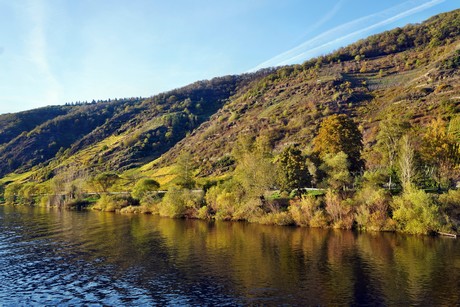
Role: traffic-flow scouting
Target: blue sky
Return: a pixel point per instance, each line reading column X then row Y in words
column 58, row 51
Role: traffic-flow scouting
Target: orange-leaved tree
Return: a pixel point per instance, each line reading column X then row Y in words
column 339, row 133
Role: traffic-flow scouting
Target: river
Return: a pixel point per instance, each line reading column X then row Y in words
column 53, row 257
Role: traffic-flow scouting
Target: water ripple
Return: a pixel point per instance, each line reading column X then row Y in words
column 90, row 258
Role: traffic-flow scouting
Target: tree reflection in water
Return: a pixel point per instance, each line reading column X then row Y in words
column 103, row 257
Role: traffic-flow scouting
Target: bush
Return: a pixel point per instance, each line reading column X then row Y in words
column 319, row 220
column 204, row 213
column 149, row 203
column 249, row 210
column 180, row 203
column 110, row 203
column 307, row 211
column 416, row 212
column 372, row 206
column 276, row 218
column 28, row 193
column 450, row 205
column 105, row 203
column 224, row 199
column 52, row 201
column 450, row 201
column 134, row 209
column 143, row 187
column 341, row 211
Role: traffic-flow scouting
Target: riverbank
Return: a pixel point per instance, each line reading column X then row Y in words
column 370, row 209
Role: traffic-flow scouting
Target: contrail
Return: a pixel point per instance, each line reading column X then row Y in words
column 320, row 43
column 335, row 9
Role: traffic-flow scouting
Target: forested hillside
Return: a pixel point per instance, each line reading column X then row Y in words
column 144, row 128
column 415, row 79
column 376, row 120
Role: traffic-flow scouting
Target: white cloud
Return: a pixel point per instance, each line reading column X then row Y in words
column 37, row 52
column 345, row 33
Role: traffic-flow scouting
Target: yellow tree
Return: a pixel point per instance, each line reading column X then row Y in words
column 338, row 133
column 440, row 151
column 454, row 128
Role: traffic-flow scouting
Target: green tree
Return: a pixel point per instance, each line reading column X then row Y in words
column 244, row 144
column 184, row 171
column 69, row 181
column 144, row 186
column 255, row 173
column 12, row 192
column 292, row 170
column 336, row 167
column 2, row 192
column 28, row 193
column 255, row 170
column 339, row 133
column 106, row 180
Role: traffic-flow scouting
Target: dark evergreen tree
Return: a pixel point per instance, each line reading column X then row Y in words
column 292, row 170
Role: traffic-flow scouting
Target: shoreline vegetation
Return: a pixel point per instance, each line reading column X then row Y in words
column 275, row 188
column 326, row 209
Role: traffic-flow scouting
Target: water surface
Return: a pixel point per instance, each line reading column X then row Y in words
column 50, row 257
